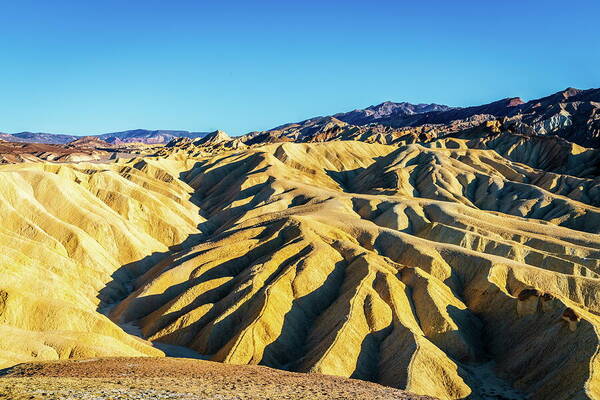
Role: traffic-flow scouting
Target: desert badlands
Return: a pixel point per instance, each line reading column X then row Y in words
column 450, row 253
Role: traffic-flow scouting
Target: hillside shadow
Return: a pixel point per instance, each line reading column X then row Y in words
column 126, row 279
column 123, row 279
column 230, row 268
column 135, row 269
column 470, row 328
column 298, row 321
column 367, row 363
column 236, row 322
column 344, row 178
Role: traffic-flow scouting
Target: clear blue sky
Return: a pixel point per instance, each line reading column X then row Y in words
column 86, row 67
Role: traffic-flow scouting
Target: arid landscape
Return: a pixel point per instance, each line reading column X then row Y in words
column 449, row 252
column 182, row 379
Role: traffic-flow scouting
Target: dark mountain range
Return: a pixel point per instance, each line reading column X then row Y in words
column 386, row 110
column 572, row 114
column 372, row 114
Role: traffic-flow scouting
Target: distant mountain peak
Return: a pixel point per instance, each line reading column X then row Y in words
column 570, row 92
column 215, row 137
column 514, row 101
column 158, row 136
column 388, row 109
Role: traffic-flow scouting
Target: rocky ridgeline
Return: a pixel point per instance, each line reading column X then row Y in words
column 571, row 114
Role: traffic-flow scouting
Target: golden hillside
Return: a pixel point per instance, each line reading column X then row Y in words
column 72, row 236
column 461, row 268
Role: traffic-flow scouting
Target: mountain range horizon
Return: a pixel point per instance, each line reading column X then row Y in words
column 381, row 113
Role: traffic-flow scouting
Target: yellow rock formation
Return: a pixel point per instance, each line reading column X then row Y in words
column 72, row 237
column 418, row 267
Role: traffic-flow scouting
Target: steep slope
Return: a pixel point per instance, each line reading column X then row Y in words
column 72, row 237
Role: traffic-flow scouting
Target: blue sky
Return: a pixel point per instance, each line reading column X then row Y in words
column 86, row 67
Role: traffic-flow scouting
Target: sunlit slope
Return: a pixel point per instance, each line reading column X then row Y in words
column 413, row 267
column 70, row 239
column 454, row 269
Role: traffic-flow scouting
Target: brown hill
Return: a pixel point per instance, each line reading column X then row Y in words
column 89, row 142
column 214, row 142
column 171, row 378
column 12, row 152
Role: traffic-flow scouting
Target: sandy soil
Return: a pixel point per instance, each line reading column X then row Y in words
column 170, row 378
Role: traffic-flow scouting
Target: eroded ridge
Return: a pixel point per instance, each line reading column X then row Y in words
column 411, row 267
column 462, row 268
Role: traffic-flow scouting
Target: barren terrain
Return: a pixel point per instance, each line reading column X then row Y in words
column 171, row 378
column 458, row 265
